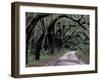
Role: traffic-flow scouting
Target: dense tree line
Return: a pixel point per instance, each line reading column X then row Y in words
column 53, row 32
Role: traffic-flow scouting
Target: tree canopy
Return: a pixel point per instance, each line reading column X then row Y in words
column 54, row 32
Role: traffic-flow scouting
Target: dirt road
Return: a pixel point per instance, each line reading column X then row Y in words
column 69, row 58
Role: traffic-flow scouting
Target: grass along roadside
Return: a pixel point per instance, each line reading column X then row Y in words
column 44, row 59
column 83, row 57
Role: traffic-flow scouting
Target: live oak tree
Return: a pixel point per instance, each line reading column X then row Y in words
column 52, row 32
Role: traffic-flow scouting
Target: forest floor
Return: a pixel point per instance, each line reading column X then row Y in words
column 45, row 59
column 69, row 58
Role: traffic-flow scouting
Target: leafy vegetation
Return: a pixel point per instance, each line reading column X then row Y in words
column 49, row 34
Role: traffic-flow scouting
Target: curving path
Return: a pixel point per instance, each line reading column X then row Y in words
column 69, row 58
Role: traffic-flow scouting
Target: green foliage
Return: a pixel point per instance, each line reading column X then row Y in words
column 67, row 31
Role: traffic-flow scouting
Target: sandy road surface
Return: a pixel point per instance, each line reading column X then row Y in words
column 69, row 58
